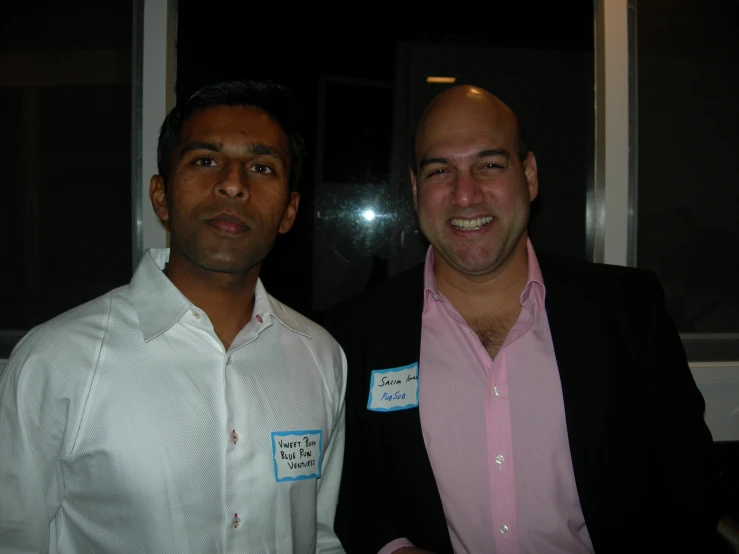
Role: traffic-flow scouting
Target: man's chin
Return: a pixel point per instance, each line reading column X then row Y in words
column 475, row 266
column 224, row 263
column 232, row 267
column 214, row 260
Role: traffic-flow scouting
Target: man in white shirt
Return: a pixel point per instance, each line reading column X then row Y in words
column 188, row 411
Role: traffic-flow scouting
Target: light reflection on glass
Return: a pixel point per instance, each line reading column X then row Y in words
column 368, row 214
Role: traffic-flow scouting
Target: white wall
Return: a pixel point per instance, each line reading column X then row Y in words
column 719, row 384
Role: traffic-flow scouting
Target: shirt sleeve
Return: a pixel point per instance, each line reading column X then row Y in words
column 328, row 484
column 30, row 484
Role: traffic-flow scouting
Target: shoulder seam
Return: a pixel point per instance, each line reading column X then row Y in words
column 93, row 379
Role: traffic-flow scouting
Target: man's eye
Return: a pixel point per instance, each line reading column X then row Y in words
column 261, row 168
column 436, row 172
column 205, row 161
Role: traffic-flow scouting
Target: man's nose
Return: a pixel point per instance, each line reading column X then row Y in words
column 466, row 191
column 234, row 182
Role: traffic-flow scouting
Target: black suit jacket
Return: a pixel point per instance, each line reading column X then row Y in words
column 641, row 452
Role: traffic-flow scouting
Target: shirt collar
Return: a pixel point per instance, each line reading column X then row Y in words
column 430, row 290
column 534, row 281
column 159, row 304
column 267, row 306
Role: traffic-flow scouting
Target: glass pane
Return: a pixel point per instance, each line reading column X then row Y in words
column 688, row 229
column 65, row 106
column 361, row 93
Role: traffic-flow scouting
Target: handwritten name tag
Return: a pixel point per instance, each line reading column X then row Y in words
column 393, row 389
column 297, row 454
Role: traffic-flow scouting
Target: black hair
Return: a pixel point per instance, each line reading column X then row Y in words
column 272, row 98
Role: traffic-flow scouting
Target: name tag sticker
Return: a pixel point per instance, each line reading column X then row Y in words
column 393, row 389
column 297, row 455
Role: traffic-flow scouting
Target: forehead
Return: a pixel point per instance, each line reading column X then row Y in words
column 466, row 124
column 228, row 123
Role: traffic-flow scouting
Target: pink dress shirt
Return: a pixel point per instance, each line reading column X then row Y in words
column 495, row 431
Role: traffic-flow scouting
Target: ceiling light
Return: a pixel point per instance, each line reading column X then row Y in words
column 440, row 79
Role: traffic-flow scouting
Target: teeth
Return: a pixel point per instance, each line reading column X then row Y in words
column 470, row 224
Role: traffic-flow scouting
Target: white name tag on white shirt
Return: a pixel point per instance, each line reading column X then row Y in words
column 393, row 389
column 297, row 454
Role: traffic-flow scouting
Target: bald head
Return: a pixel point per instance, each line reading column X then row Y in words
column 466, row 105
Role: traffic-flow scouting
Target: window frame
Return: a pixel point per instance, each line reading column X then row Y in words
column 613, row 201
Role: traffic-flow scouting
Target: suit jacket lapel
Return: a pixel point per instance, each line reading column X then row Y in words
column 579, row 335
column 409, row 335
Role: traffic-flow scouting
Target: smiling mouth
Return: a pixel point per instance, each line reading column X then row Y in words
column 470, row 224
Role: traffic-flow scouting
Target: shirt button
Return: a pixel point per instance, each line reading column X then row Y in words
column 236, row 521
column 196, row 315
column 228, row 360
column 504, row 529
column 259, row 319
column 234, row 436
column 499, row 460
column 496, row 392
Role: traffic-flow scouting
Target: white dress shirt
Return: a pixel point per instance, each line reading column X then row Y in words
column 125, row 426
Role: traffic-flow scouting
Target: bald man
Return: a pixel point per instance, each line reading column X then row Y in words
column 504, row 400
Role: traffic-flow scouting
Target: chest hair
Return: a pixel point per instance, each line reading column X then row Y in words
column 491, row 331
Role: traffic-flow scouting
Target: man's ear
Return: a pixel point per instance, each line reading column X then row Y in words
column 531, row 175
column 414, row 188
column 291, row 211
column 158, row 198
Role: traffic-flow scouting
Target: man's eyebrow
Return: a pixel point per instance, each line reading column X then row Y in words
column 428, row 161
column 490, row 153
column 261, row 149
column 199, row 145
column 256, row 148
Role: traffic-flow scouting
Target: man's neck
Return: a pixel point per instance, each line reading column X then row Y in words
column 480, row 296
column 227, row 298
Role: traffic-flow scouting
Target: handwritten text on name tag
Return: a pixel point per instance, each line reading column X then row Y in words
column 297, row 454
column 393, row 389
